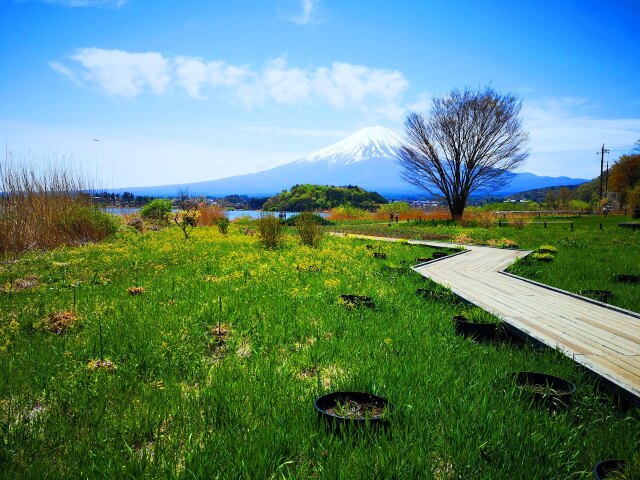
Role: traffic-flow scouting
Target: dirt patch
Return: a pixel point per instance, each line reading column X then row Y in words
column 217, row 342
column 60, row 322
column 105, row 365
column 244, row 348
column 21, row 284
column 307, row 373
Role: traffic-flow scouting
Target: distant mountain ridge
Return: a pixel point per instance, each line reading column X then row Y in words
column 367, row 159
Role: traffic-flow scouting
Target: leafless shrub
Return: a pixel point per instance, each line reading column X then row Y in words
column 309, row 229
column 270, row 229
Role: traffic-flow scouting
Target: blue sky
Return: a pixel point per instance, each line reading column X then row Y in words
column 180, row 91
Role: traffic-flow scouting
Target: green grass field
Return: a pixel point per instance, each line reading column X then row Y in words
column 186, row 400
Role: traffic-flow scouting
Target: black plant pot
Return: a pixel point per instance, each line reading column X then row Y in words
column 545, row 389
column 342, row 409
column 605, row 467
column 369, row 247
column 624, row 278
column 439, row 255
column 357, row 301
column 483, row 332
column 380, row 255
column 600, row 295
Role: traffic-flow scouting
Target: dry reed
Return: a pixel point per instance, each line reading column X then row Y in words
column 43, row 208
column 209, row 214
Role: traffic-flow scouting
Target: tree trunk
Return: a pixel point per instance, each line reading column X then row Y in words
column 457, row 209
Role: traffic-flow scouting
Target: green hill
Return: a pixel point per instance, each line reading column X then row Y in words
column 585, row 191
column 323, row 197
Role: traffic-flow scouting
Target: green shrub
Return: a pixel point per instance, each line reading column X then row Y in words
column 223, row 225
column 157, row 210
column 309, row 229
column 542, row 257
column 547, row 249
column 320, row 220
column 87, row 224
column 270, row 229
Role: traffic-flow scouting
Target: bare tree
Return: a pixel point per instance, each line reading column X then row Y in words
column 471, row 141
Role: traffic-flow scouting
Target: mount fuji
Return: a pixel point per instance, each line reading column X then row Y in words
column 366, row 158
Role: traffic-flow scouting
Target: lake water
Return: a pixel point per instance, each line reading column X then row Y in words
column 231, row 214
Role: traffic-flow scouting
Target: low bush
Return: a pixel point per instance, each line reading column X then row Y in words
column 223, row 225
column 210, row 214
column 319, row 219
column 157, row 210
column 310, row 229
column 270, row 229
column 542, row 257
column 87, row 223
column 347, row 212
column 518, row 221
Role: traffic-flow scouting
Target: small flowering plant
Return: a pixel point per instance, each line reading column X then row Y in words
column 187, row 220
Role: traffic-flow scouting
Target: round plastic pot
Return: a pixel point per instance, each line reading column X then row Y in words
column 331, row 400
column 625, row 278
column 545, row 389
column 483, row 332
column 605, row 467
column 600, row 295
column 357, row 300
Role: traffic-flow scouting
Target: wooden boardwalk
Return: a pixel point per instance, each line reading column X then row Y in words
column 604, row 339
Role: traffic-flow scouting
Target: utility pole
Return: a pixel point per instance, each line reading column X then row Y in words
column 602, row 152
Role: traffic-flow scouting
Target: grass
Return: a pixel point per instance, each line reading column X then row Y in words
column 212, row 369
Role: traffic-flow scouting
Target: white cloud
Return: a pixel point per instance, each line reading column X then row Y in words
column 304, row 17
column 125, row 74
column 557, row 125
column 564, row 138
column 193, row 74
column 341, row 85
column 63, row 70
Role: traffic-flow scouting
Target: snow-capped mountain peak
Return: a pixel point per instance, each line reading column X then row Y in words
column 367, row 143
